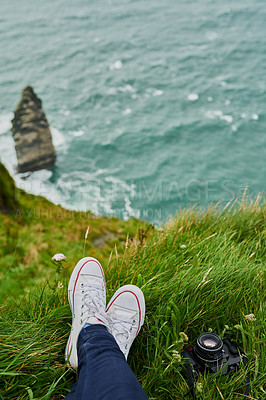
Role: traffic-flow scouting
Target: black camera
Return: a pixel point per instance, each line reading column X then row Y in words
column 213, row 354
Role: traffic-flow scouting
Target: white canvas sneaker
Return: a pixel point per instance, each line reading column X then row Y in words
column 126, row 312
column 87, row 299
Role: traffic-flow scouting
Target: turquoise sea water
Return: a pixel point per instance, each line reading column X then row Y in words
column 153, row 105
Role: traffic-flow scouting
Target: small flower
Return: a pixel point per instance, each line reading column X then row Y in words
column 199, row 387
column 160, row 229
column 183, row 337
column 176, row 356
column 237, row 326
column 60, row 285
column 183, row 246
column 250, row 317
column 59, row 257
column 226, row 327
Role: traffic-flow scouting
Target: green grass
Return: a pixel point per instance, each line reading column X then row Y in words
column 204, row 271
column 39, row 229
column 8, row 200
column 211, row 284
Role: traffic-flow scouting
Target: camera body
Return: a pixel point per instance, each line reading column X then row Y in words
column 213, row 354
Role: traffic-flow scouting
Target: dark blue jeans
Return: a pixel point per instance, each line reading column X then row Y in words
column 103, row 373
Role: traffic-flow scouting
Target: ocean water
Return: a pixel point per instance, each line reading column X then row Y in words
column 153, row 105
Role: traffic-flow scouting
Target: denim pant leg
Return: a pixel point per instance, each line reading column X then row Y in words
column 103, row 372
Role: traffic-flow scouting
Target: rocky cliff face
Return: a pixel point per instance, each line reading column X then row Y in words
column 32, row 135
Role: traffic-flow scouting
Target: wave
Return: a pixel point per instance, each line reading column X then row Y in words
column 116, row 65
column 58, row 137
column 213, row 114
column 193, row 97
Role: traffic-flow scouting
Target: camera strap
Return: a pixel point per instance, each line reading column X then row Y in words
column 192, row 385
column 247, row 384
column 190, row 378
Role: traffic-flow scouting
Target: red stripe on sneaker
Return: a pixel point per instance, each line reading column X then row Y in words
column 128, row 291
column 75, row 284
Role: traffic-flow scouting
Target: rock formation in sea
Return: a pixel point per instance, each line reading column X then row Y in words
column 32, row 135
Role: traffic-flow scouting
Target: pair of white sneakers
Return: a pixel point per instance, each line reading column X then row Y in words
column 123, row 316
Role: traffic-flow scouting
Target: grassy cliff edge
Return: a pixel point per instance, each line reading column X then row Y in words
column 203, row 271
column 8, row 200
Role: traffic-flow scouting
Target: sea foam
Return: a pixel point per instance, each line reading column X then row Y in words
column 116, row 65
column 58, row 137
column 127, row 111
column 212, row 114
column 5, row 122
column 78, row 133
column 193, row 97
column 157, row 93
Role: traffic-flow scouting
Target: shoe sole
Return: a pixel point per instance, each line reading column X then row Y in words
column 71, row 291
column 137, row 292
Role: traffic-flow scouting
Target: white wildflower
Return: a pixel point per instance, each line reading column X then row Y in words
column 59, row 257
column 176, row 356
column 210, row 330
column 183, row 337
column 183, row 246
column 199, row 387
column 226, row 327
column 237, row 326
column 250, row 317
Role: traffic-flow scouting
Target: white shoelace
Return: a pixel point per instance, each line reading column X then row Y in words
column 121, row 328
column 93, row 302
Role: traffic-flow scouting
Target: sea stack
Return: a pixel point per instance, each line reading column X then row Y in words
column 32, row 135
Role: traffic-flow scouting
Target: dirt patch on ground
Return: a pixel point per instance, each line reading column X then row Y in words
column 102, row 240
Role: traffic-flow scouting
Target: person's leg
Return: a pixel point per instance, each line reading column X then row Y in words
column 87, row 299
column 104, row 373
column 101, row 356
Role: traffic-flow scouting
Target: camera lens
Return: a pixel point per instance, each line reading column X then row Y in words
column 209, row 347
column 209, row 343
